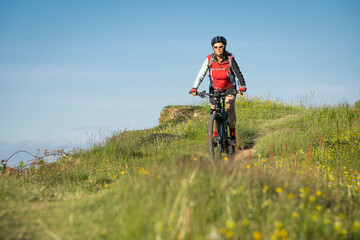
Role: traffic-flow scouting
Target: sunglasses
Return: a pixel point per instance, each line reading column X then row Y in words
column 219, row 47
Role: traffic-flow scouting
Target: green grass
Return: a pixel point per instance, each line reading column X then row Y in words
column 301, row 181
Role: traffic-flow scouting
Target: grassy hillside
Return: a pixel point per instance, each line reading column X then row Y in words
column 295, row 176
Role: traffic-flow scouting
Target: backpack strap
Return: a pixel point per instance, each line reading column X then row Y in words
column 230, row 61
column 210, row 60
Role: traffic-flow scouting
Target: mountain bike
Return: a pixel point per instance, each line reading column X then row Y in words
column 218, row 123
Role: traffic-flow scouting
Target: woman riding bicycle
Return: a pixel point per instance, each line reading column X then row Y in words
column 223, row 70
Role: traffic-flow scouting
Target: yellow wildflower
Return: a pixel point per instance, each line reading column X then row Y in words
column 283, row 233
column 230, row 224
column 337, row 226
column 257, row 235
column 223, row 230
column 327, row 221
column 290, row 196
column 356, row 226
column 312, row 199
column 229, row 234
column 279, row 225
column 245, row 222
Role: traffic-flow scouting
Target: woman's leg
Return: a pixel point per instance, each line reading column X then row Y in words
column 230, row 102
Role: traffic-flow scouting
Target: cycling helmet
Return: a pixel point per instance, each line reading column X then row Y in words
column 218, row 39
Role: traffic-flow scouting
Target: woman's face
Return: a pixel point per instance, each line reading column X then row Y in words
column 219, row 48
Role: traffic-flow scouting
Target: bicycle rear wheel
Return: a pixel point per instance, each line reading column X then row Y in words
column 215, row 142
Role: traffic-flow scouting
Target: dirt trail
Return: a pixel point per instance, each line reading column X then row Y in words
column 246, row 153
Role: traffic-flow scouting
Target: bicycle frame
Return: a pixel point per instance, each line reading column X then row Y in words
column 219, row 116
column 220, row 109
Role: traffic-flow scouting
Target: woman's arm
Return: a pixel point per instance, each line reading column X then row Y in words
column 236, row 70
column 201, row 74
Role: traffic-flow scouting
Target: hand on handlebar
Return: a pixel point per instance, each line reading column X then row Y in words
column 242, row 90
column 193, row 92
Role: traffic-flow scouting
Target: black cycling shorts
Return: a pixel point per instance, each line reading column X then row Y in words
column 229, row 91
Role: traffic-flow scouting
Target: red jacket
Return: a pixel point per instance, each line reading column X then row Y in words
column 220, row 72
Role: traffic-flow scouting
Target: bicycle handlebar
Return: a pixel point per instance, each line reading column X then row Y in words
column 216, row 94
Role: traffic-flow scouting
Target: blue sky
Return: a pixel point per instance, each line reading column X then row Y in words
column 75, row 72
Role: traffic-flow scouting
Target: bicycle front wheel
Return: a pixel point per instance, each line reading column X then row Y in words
column 229, row 146
column 215, row 140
